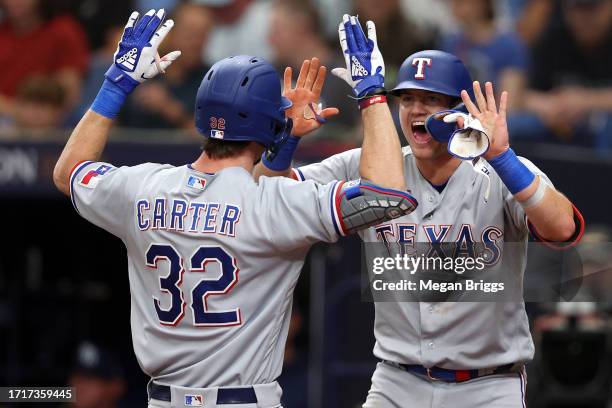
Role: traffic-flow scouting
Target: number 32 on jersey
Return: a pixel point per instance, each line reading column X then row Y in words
column 171, row 284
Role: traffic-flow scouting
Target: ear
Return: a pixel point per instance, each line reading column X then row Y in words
column 256, row 148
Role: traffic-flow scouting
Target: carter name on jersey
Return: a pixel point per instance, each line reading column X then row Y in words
column 184, row 216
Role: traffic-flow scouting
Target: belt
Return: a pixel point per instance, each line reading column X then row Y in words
column 245, row 395
column 455, row 376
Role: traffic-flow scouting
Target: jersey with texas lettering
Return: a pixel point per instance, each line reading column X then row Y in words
column 453, row 335
column 213, row 260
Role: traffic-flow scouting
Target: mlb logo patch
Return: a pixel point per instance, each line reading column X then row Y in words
column 216, row 134
column 198, row 183
column 194, row 400
column 91, row 178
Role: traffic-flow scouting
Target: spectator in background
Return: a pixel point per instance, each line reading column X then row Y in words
column 429, row 16
column 570, row 96
column 490, row 55
column 241, row 27
column 99, row 63
column 37, row 109
column 96, row 16
column 294, row 36
column 32, row 42
column 97, row 377
column 534, row 17
column 397, row 37
column 170, row 102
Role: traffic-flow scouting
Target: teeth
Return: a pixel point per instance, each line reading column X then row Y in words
column 418, row 123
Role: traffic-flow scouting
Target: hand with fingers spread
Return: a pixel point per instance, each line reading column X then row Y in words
column 493, row 120
column 305, row 111
column 136, row 58
column 365, row 68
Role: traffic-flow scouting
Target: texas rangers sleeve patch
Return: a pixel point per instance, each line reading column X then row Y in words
column 92, row 177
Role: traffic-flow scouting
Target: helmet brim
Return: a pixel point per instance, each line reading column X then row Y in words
column 406, row 85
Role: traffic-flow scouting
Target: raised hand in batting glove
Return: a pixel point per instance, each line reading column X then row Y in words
column 135, row 60
column 365, row 68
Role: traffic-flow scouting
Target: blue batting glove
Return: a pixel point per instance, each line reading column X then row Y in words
column 365, row 67
column 135, row 60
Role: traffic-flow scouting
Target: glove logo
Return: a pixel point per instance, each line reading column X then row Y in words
column 128, row 59
column 357, row 70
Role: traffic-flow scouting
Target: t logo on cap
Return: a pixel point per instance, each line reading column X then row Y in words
column 420, row 64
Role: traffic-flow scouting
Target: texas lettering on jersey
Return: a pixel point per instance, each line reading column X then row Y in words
column 462, row 244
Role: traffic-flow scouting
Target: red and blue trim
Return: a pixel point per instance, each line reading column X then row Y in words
column 572, row 241
column 73, row 173
column 523, row 380
column 335, row 198
column 390, row 191
column 297, row 174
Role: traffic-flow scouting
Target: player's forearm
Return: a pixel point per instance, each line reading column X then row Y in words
column 599, row 99
column 86, row 142
column 261, row 170
column 381, row 155
column 552, row 216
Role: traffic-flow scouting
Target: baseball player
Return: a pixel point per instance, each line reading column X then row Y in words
column 460, row 355
column 213, row 256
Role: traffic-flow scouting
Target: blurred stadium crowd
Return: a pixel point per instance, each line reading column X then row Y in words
column 553, row 56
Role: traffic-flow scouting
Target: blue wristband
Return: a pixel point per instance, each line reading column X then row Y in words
column 515, row 175
column 283, row 158
column 109, row 101
column 116, row 87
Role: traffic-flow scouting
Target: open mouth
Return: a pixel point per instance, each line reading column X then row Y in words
column 419, row 133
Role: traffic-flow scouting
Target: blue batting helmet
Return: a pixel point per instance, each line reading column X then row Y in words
column 240, row 99
column 435, row 71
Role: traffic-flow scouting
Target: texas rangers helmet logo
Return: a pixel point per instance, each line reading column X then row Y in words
column 420, row 64
column 194, row 400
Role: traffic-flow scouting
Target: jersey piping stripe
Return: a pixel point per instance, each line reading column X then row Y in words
column 523, row 383
column 335, row 197
column 76, row 170
column 298, row 175
column 572, row 241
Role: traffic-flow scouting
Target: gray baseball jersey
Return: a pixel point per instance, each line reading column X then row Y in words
column 462, row 335
column 213, row 261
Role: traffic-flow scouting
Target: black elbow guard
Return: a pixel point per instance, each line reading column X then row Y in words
column 363, row 204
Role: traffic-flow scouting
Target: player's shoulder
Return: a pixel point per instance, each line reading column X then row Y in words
column 270, row 183
column 285, row 186
column 140, row 172
column 155, row 167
